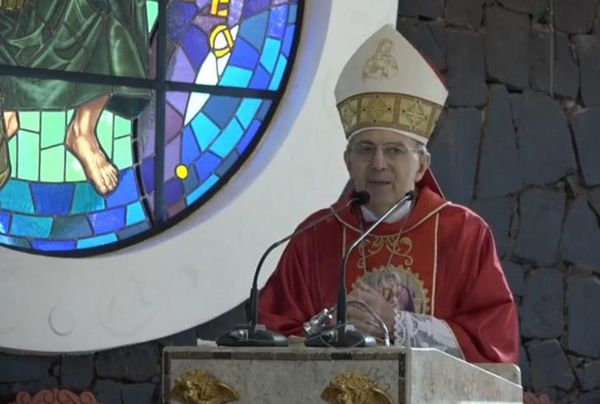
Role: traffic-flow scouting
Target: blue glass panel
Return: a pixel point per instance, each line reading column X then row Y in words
column 126, row 191
column 97, row 241
column 16, row 197
column 205, row 130
column 195, row 43
column 278, row 75
column 220, row 109
column 288, row 40
column 52, row 199
column 108, row 220
column 73, row 227
column 132, row 230
column 230, row 136
column 253, row 6
column 179, row 15
column 31, row 226
column 253, row 29
column 52, row 245
column 206, row 165
column 135, row 213
column 15, row 241
column 173, row 191
column 243, row 55
column 262, row 113
column 277, row 21
column 248, row 136
column 189, row 149
column 202, row 189
column 235, row 77
column 147, row 170
column 191, row 181
column 227, row 164
column 86, row 199
column 4, row 221
column 247, row 110
column 293, row 14
column 270, row 53
column 260, row 79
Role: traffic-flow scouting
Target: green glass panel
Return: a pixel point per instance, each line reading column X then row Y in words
column 28, row 148
column 30, row 121
column 151, row 13
column 53, row 128
column 53, row 164
column 122, row 155
column 12, row 150
column 104, row 130
column 73, row 169
column 122, row 127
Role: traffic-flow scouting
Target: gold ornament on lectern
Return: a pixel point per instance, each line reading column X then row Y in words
column 197, row 386
column 352, row 387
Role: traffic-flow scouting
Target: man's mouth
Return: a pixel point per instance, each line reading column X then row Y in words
column 379, row 183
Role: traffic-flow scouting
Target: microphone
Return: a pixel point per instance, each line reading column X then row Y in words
column 253, row 333
column 343, row 334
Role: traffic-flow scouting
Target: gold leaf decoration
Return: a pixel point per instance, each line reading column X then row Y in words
column 352, row 387
column 197, row 386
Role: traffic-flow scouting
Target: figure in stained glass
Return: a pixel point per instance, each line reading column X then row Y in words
column 108, row 37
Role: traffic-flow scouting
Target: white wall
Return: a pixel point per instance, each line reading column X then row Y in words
column 203, row 266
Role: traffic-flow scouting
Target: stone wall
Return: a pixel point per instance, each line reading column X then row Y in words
column 520, row 144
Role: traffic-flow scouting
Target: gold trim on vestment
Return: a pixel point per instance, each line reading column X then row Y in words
column 435, row 262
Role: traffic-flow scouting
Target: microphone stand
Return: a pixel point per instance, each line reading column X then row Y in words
column 342, row 334
column 253, row 333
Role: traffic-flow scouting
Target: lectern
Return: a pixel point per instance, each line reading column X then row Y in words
column 297, row 374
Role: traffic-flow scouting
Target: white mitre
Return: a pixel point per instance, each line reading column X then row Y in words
column 387, row 84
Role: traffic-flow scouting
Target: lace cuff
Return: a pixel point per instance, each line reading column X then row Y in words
column 422, row 331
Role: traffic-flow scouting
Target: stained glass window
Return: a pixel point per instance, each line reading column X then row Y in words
column 120, row 118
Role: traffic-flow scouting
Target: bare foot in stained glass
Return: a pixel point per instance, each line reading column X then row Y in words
column 83, row 143
column 11, row 122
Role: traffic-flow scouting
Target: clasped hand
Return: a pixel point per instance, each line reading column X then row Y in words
column 361, row 318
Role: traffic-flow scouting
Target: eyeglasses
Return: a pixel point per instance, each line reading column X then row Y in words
column 391, row 152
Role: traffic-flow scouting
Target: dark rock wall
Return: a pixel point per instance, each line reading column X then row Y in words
column 520, row 144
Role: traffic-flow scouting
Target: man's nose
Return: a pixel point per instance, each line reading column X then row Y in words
column 379, row 162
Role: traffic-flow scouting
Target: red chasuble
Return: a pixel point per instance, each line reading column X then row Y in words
column 440, row 260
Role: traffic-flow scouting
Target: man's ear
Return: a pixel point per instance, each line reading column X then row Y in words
column 424, row 163
column 347, row 159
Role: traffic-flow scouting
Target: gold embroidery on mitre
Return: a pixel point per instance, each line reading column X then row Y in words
column 349, row 113
column 400, row 286
column 378, row 109
column 414, row 114
column 396, row 111
column 382, row 64
column 351, row 387
column 197, row 386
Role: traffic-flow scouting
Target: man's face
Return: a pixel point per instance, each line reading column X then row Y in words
column 385, row 164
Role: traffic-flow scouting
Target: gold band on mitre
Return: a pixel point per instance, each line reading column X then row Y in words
column 413, row 116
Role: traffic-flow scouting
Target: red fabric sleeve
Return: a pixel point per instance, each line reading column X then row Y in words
column 286, row 300
column 485, row 320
